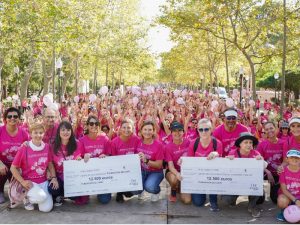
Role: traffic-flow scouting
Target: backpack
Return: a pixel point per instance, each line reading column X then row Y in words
column 16, row 192
column 214, row 140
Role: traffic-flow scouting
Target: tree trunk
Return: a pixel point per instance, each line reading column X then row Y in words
column 283, row 59
column 47, row 78
column 226, row 60
column 253, row 74
column 25, row 82
column 76, row 75
column 1, row 67
column 64, row 84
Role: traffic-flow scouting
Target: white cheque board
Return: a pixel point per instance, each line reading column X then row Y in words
column 222, row 176
column 100, row 176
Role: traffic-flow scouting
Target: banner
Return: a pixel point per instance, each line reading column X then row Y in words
column 222, row 176
column 101, row 176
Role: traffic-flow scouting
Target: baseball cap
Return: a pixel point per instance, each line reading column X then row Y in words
column 285, row 125
column 294, row 120
column 176, row 126
column 230, row 112
column 293, row 153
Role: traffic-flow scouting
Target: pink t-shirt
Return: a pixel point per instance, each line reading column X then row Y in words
column 289, row 144
column 50, row 134
column 101, row 145
column 34, row 166
column 64, row 111
column 61, row 156
column 252, row 154
column 120, row 147
column 173, row 152
column 204, row 152
column 153, row 152
column 283, row 137
column 228, row 138
column 191, row 134
column 272, row 153
column 291, row 180
column 9, row 145
column 164, row 138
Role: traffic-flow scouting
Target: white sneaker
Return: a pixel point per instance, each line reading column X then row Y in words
column 141, row 196
column 154, row 197
column 27, row 205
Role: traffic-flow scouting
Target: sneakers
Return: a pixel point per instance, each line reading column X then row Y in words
column 154, row 197
column 255, row 212
column 280, row 217
column 141, row 196
column 214, row 207
column 128, row 194
column 27, row 205
column 58, row 201
column 172, row 197
column 2, row 199
column 120, row 198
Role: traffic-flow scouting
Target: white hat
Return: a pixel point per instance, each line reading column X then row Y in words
column 230, row 112
column 294, row 120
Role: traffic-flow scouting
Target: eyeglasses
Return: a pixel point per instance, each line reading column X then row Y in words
column 12, row 116
column 94, row 124
column 230, row 118
column 203, row 130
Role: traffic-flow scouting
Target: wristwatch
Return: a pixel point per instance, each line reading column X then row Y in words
column 295, row 200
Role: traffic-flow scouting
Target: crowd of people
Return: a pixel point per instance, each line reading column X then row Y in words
column 159, row 125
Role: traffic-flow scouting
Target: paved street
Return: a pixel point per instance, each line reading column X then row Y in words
column 140, row 211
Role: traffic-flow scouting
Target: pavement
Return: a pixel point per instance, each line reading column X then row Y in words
column 134, row 211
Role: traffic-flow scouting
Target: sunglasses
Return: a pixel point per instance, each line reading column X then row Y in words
column 230, row 118
column 203, row 130
column 94, row 124
column 12, row 116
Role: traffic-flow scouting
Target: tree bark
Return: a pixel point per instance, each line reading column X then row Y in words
column 1, row 67
column 25, row 82
column 47, row 77
column 226, row 60
column 283, row 59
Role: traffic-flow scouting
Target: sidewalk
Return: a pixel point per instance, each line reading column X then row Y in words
column 140, row 211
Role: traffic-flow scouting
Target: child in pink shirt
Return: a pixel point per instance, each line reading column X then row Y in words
column 34, row 159
column 289, row 183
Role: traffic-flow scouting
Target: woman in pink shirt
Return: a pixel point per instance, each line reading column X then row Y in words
column 94, row 144
column 245, row 149
column 124, row 144
column 284, row 132
column 209, row 147
column 34, row 159
column 65, row 147
column 151, row 154
column 294, row 139
column 12, row 136
column 173, row 151
column 289, row 183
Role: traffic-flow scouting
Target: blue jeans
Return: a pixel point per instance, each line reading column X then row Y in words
column 104, row 198
column 199, row 199
column 152, row 180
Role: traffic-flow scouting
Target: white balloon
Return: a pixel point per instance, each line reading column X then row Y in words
column 36, row 194
column 229, row 102
column 104, row 90
column 34, row 98
column 15, row 97
column 214, row 104
column 184, row 92
column 92, row 98
column 135, row 100
column 76, row 99
column 252, row 103
column 180, row 101
column 176, row 93
column 47, row 100
column 53, row 106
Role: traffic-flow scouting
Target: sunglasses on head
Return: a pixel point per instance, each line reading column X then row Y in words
column 230, row 118
column 203, row 130
column 94, row 124
column 12, row 116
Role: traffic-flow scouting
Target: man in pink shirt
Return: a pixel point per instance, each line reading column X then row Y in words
column 50, row 117
column 229, row 132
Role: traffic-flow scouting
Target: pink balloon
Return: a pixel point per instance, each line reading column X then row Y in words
column 292, row 214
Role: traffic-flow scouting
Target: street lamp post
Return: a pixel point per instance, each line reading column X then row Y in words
column 241, row 73
column 276, row 76
column 17, row 71
column 58, row 66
